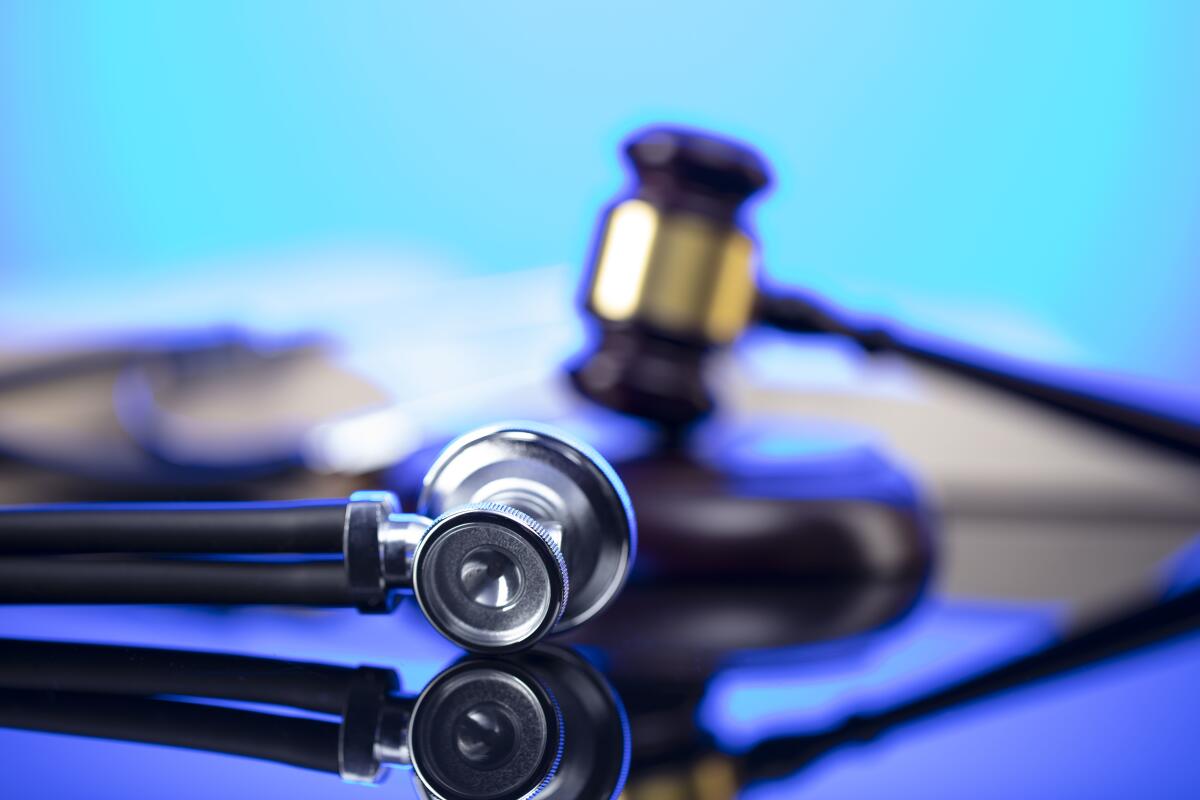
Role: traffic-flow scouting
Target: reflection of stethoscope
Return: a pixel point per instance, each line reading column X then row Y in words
column 545, row 722
column 520, row 531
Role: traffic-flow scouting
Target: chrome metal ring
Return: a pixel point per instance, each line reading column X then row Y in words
column 563, row 484
column 490, row 578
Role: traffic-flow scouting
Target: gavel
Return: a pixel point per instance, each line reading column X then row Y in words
column 674, row 277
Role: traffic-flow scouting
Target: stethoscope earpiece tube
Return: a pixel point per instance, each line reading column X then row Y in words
column 125, row 581
column 304, row 526
column 485, row 556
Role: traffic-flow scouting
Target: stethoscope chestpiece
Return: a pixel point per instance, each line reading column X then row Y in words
column 533, row 534
column 490, row 577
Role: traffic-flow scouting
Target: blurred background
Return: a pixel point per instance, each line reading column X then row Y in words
column 1013, row 175
column 406, row 195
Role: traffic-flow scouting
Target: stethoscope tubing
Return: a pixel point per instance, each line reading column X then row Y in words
column 114, row 553
column 58, row 580
column 298, row 526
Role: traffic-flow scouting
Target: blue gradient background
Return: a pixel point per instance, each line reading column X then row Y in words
column 1020, row 175
column 1024, row 176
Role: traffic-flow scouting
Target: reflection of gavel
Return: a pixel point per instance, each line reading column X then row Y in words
column 673, row 278
column 498, row 728
column 700, row 771
column 689, row 631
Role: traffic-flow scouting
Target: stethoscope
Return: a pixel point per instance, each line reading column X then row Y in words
column 543, row 723
column 520, row 531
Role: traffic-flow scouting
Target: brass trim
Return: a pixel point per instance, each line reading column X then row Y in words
column 680, row 273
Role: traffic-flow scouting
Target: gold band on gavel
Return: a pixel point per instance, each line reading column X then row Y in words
column 679, row 273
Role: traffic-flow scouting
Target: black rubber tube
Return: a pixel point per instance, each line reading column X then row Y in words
column 300, row 526
column 113, row 669
column 297, row 741
column 52, row 580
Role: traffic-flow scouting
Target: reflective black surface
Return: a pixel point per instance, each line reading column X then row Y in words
column 742, row 690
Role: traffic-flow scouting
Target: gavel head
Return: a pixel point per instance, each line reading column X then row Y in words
column 672, row 274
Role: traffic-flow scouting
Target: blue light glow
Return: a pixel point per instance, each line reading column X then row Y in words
column 820, row 686
column 1117, row 730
